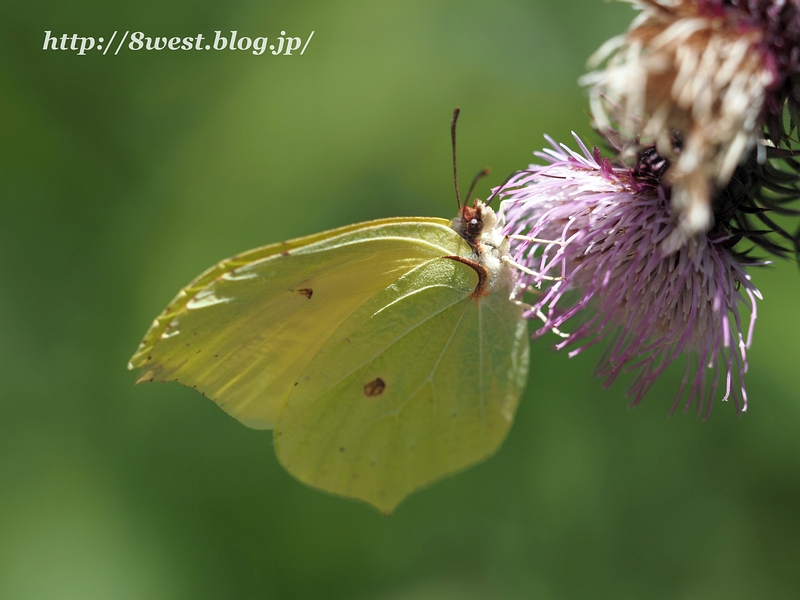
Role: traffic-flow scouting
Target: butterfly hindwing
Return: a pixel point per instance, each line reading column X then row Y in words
column 421, row 381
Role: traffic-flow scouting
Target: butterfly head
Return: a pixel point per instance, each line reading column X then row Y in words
column 481, row 227
column 469, row 223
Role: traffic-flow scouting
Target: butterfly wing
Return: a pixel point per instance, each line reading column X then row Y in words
column 421, row 381
column 362, row 345
column 241, row 332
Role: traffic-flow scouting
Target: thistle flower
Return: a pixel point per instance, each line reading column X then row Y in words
column 604, row 273
column 703, row 80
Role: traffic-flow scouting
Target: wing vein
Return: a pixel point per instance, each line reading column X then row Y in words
column 383, row 239
column 403, row 297
column 435, row 366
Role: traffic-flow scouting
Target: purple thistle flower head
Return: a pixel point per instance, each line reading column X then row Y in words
column 595, row 246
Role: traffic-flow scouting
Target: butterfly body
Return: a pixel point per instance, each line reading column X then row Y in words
column 384, row 354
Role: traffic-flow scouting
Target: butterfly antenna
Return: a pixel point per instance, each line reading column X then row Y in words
column 500, row 188
column 478, row 177
column 455, row 168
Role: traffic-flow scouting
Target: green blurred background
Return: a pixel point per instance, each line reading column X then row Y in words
column 122, row 177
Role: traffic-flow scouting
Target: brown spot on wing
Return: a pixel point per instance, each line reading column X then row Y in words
column 374, row 387
column 307, row 292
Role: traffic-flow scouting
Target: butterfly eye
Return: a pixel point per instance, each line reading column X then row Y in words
column 474, row 227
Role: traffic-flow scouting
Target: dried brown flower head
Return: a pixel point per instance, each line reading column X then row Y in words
column 700, row 79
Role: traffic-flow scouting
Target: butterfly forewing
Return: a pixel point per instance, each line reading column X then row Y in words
column 243, row 337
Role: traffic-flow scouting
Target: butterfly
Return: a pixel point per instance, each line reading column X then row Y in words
column 383, row 355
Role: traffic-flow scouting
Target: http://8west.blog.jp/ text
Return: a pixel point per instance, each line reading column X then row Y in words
column 282, row 45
